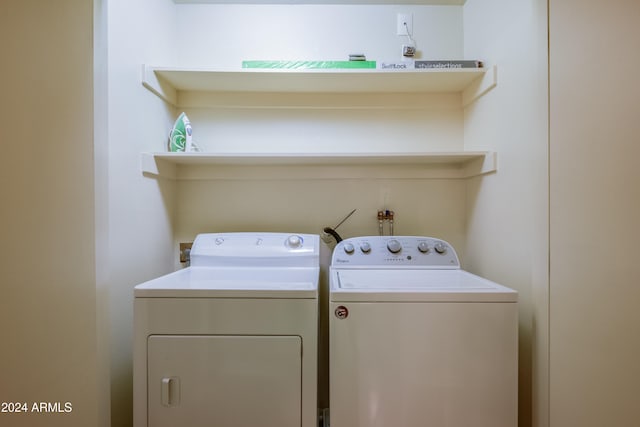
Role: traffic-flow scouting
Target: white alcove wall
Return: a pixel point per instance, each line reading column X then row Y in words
column 299, row 160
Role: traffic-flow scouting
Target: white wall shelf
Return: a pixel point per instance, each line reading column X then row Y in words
column 350, row 88
column 169, row 83
column 450, row 165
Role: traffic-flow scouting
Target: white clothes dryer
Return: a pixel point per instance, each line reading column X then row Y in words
column 232, row 339
column 415, row 341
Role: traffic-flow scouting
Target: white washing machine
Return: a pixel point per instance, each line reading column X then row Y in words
column 415, row 341
column 232, row 339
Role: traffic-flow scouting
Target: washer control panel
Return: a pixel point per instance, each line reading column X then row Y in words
column 400, row 251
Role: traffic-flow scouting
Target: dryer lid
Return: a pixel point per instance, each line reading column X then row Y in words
column 405, row 285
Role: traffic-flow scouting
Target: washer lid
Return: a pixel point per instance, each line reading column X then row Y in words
column 222, row 282
column 417, row 285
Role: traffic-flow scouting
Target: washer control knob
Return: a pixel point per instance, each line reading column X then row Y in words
column 348, row 248
column 294, row 241
column 440, row 247
column 394, row 246
column 423, row 247
column 365, row 247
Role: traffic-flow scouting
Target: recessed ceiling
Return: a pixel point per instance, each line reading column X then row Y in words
column 335, row 2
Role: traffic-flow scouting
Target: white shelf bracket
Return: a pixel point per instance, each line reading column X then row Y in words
column 158, row 86
column 150, row 165
column 480, row 86
column 482, row 166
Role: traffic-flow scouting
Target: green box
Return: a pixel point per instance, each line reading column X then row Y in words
column 308, row 65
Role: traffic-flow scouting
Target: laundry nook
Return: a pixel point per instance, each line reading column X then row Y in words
column 346, row 126
column 319, row 213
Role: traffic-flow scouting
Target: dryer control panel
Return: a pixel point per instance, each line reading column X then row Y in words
column 255, row 250
column 395, row 251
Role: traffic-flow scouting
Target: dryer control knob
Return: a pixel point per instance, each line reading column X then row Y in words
column 294, row 241
column 423, row 247
column 365, row 247
column 348, row 248
column 394, row 246
column 440, row 247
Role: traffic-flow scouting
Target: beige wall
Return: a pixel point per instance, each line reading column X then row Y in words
column 100, row 156
column 47, row 267
column 506, row 216
column 595, row 206
column 139, row 210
